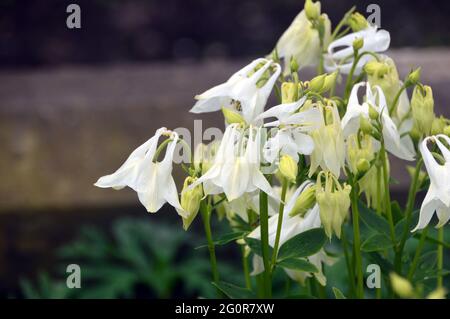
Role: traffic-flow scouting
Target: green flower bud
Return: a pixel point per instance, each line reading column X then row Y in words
column 312, row 10
column 190, row 201
column 438, row 293
column 358, row 44
column 363, row 165
column 365, row 126
column 422, row 106
column 438, row 126
column 330, row 81
column 357, row 22
column 317, row 83
column 232, row 116
column 373, row 113
column 288, row 167
column 376, row 68
column 401, row 286
column 413, row 77
column 305, row 201
column 294, row 65
column 288, row 92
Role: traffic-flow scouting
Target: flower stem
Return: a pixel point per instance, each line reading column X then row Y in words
column 205, row 211
column 440, row 258
column 248, row 282
column 408, row 213
column 396, row 98
column 417, row 254
column 387, row 195
column 280, row 222
column 357, row 243
column 348, row 263
column 264, row 226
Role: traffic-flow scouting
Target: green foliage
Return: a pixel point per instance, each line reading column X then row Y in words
column 303, row 245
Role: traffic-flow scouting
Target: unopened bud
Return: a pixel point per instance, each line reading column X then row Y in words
column 288, row 92
column 317, row 83
column 365, row 126
column 438, row 126
column 373, row 113
column 413, row 77
column 357, row 22
column 305, row 201
column 312, row 10
column 376, row 68
column 190, row 201
column 401, row 286
column 330, row 81
column 358, row 44
column 293, row 65
column 422, row 106
column 438, row 293
column 288, row 167
column 363, row 165
column 232, row 116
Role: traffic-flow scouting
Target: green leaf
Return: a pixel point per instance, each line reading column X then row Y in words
column 225, row 239
column 301, row 296
column 255, row 246
column 338, row 294
column 396, row 211
column 373, row 220
column 384, row 264
column 233, row 291
column 376, row 242
column 297, row 264
column 303, row 245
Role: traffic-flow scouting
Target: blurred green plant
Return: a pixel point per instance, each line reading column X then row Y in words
column 138, row 259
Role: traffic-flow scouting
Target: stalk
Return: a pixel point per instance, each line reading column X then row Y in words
column 264, row 226
column 280, row 222
column 248, row 282
column 408, row 213
column 387, row 195
column 440, row 257
column 205, row 210
column 417, row 254
column 357, row 243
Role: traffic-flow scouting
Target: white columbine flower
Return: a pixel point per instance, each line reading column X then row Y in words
column 292, row 226
column 438, row 195
column 400, row 146
column 236, row 167
column 301, row 42
column 291, row 139
column 152, row 180
column 340, row 51
column 246, row 91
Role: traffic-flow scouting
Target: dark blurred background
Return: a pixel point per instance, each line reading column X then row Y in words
column 74, row 103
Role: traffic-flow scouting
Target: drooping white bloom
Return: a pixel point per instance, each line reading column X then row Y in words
column 400, row 146
column 245, row 91
column 438, row 195
column 236, row 167
column 292, row 139
column 301, row 41
column 152, row 180
column 292, row 226
column 340, row 52
column 329, row 146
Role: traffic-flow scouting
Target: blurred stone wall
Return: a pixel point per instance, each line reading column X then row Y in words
column 60, row 129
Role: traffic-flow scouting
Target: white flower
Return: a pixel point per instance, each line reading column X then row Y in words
column 245, row 91
column 292, row 138
column 236, row 167
column 152, row 180
column 400, row 146
column 438, row 195
column 301, row 42
column 329, row 146
column 340, row 51
column 292, row 226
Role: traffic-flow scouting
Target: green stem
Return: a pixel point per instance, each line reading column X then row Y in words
column 342, row 23
column 408, row 215
column 264, row 227
column 397, row 97
column 348, row 85
column 417, row 254
column 205, row 211
column 248, row 282
column 357, row 243
column 348, row 263
column 387, row 195
column 280, row 222
column 440, row 258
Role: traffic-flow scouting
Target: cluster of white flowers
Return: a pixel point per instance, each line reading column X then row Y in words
column 321, row 148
